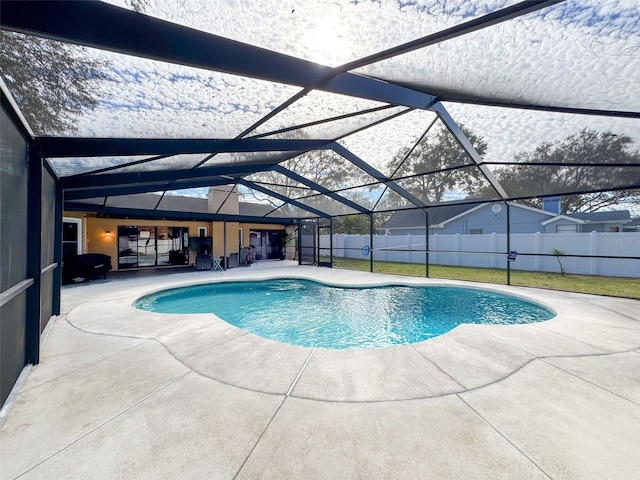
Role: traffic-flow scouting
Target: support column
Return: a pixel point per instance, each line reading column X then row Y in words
column 371, row 242
column 57, row 248
column 331, row 242
column 299, row 242
column 426, row 243
column 224, row 244
column 34, row 249
column 508, row 243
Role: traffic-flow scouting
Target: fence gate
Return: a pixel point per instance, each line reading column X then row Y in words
column 325, row 258
column 308, row 241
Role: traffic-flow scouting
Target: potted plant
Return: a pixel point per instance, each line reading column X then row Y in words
column 284, row 239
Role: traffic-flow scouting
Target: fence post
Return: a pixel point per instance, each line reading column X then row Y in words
column 434, row 246
column 536, row 249
column 494, row 248
column 456, row 247
column 593, row 249
column 383, row 246
column 409, row 248
column 371, row 242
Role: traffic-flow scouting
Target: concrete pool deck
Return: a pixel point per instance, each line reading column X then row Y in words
column 122, row 393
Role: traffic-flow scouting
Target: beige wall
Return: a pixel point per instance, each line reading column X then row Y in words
column 96, row 240
column 218, row 238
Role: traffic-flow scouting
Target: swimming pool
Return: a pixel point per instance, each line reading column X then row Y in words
column 312, row 314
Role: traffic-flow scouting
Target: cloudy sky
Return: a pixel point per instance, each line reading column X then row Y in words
column 583, row 54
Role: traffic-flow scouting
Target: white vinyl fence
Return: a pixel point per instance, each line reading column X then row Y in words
column 488, row 251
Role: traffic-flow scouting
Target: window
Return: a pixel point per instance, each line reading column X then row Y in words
column 475, row 231
column 202, row 232
column 614, row 229
column 71, row 237
column 240, row 244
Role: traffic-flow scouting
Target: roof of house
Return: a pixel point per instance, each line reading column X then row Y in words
column 597, row 217
column 254, row 209
column 439, row 215
column 174, row 203
column 417, row 218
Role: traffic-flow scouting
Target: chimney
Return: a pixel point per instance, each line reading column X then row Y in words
column 223, row 199
column 551, row 204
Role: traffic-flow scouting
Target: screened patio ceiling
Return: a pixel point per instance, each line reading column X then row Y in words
column 325, row 108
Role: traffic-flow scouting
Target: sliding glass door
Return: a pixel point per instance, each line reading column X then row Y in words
column 145, row 246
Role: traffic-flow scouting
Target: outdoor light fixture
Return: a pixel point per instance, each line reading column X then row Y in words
column 108, row 233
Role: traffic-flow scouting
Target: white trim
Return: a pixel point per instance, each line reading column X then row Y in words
column 622, row 222
column 563, row 217
column 77, row 221
column 13, row 395
column 466, row 212
column 511, row 204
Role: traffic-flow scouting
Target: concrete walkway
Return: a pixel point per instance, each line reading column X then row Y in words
column 122, row 393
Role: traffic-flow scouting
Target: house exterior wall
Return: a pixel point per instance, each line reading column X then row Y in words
column 522, row 221
column 585, row 227
column 95, row 240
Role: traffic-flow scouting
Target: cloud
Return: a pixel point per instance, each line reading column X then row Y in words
column 577, row 54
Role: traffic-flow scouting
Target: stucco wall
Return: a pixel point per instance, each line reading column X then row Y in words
column 95, row 239
column 522, row 221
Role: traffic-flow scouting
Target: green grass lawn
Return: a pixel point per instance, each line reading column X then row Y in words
column 613, row 286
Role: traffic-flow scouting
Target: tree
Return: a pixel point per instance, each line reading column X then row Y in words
column 351, row 224
column 53, row 83
column 325, row 168
column 558, row 253
column 434, row 154
column 575, row 153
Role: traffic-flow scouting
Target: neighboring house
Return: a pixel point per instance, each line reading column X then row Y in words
column 613, row 221
column 151, row 230
column 491, row 218
column 632, row 226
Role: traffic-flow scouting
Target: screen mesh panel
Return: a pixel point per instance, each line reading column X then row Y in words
column 161, row 100
column 65, row 167
column 380, row 144
column 323, row 31
column 13, row 204
column 339, row 127
column 313, row 107
column 534, row 59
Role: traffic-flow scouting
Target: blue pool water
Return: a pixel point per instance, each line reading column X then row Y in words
column 307, row 313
